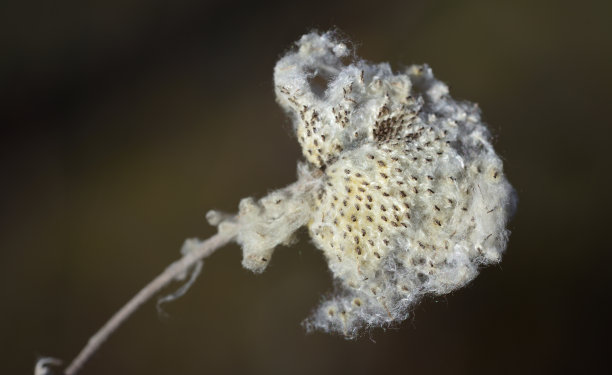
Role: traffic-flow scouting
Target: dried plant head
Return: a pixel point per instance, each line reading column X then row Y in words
column 401, row 188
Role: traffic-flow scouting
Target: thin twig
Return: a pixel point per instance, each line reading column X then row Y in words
column 201, row 251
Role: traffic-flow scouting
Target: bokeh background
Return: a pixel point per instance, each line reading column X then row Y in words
column 123, row 122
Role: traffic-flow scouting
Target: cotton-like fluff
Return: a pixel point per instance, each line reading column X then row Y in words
column 401, row 189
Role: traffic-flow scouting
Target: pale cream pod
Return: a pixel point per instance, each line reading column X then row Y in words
column 401, row 188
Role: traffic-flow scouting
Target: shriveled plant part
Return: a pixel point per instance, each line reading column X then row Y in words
column 400, row 188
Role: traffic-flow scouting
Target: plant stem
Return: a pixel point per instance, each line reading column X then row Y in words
column 200, row 251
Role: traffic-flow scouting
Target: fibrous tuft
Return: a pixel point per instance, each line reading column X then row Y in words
column 402, row 190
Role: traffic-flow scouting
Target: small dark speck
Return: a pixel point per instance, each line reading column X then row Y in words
column 422, row 277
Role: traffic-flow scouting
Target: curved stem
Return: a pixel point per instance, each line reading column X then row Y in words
column 198, row 252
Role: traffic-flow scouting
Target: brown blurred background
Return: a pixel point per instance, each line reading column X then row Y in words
column 123, row 122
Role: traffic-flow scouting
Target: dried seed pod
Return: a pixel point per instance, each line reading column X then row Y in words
column 401, row 189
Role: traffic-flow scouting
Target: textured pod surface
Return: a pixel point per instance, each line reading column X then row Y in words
column 403, row 191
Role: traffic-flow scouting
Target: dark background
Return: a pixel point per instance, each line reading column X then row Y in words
column 123, row 122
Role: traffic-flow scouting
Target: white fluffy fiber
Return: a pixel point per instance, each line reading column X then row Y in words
column 402, row 190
